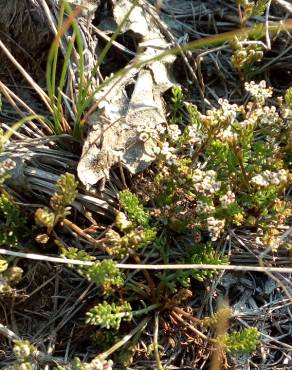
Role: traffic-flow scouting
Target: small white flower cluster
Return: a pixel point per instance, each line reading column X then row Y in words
column 267, row 178
column 7, row 165
column 228, row 111
column 174, row 132
column 287, row 113
column 203, row 207
column 205, row 182
column 227, row 199
column 168, row 153
column 268, row 116
column 228, row 135
column 151, row 129
column 25, row 366
column 215, row 227
column 223, row 116
column 98, row 364
column 259, row 91
column 194, row 137
column 228, row 115
column 23, row 350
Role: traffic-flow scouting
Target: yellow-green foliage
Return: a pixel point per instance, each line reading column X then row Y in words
column 9, row 275
column 103, row 273
column 12, row 222
column 60, row 202
column 134, row 209
column 245, row 341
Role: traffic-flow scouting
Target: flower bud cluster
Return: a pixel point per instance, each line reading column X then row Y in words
column 96, row 364
column 205, row 182
column 203, row 207
column 151, row 129
column 269, row 117
column 227, row 199
column 215, row 227
column 260, row 92
column 228, row 135
column 221, row 117
column 174, row 132
column 246, row 55
column 168, row 152
column 6, row 166
column 193, row 135
column 23, row 350
column 268, row 178
column 9, row 276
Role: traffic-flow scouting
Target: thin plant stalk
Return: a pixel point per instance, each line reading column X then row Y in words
column 131, row 266
column 64, row 72
column 30, row 80
column 50, row 74
column 21, row 122
column 193, row 45
column 108, row 46
column 155, row 342
column 10, row 96
column 81, row 85
column 141, row 326
column 55, row 58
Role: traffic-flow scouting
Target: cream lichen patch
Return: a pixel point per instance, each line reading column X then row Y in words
column 130, row 140
column 127, row 125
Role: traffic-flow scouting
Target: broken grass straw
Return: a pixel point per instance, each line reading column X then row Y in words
column 40, row 257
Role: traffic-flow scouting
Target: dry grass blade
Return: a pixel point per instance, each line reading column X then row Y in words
column 130, row 266
column 10, row 96
column 285, row 4
column 50, row 305
column 29, row 79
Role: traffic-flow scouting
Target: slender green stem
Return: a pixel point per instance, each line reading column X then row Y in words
column 51, row 89
column 51, row 73
column 56, row 53
column 21, row 122
column 193, row 45
column 81, row 84
column 146, row 309
column 64, row 73
column 109, row 45
column 155, row 343
column 140, row 312
column 241, row 165
column 124, row 340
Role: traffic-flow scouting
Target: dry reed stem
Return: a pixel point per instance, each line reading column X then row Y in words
column 29, row 79
column 39, row 257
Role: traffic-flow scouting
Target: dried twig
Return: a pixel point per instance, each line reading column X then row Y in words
column 130, row 266
column 285, row 4
column 29, row 79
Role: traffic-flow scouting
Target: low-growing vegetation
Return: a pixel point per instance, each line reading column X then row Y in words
column 219, row 180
